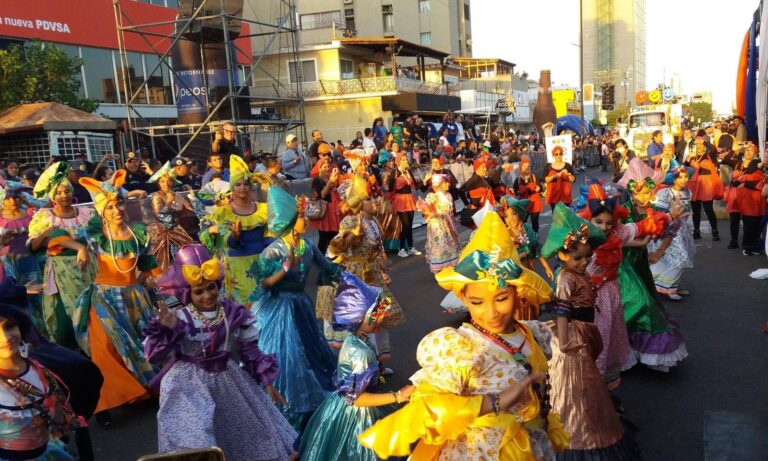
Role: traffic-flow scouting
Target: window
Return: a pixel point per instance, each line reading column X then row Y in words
column 349, row 19
column 424, row 6
column 347, row 69
column 134, row 73
column 388, row 20
column 307, row 72
column 99, row 74
column 322, row 20
column 425, row 38
column 159, row 82
column 73, row 52
column 466, row 12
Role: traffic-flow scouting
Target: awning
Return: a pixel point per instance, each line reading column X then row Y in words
column 50, row 116
column 421, row 103
column 389, row 45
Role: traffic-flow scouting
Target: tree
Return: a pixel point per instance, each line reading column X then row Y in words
column 38, row 71
column 701, row 112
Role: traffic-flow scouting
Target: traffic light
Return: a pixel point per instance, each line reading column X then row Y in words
column 609, row 100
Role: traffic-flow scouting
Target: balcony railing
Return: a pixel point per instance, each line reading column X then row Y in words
column 350, row 87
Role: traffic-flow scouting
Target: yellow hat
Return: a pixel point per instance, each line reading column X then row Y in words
column 491, row 256
column 354, row 192
column 103, row 192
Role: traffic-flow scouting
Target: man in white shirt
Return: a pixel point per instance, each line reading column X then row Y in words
column 368, row 140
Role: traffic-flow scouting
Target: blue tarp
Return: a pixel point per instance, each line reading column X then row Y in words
column 571, row 122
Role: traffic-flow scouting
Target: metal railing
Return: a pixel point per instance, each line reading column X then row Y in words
column 363, row 85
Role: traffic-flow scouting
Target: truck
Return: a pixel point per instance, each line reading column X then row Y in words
column 644, row 120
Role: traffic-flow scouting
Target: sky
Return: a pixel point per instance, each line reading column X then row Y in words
column 685, row 37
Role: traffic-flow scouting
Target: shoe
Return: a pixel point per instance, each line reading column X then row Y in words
column 387, row 372
column 750, row 253
column 733, row 244
column 674, row 297
column 684, row 292
column 104, row 419
column 403, row 254
column 696, row 235
column 715, row 236
column 414, row 252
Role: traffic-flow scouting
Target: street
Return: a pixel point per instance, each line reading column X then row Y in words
column 712, row 406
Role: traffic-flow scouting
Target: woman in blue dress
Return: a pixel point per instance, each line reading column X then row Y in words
column 353, row 407
column 286, row 314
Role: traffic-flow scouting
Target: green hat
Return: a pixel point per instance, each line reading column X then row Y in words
column 50, row 179
column 282, row 211
column 567, row 229
column 520, row 207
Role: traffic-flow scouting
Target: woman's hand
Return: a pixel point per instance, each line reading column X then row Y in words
column 82, row 258
column 405, row 392
column 166, row 317
column 656, row 256
column 237, row 227
column 549, row 273
column 516, row 393
column 149, row 282
column 274, row 395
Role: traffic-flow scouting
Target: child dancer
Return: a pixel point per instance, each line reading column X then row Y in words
column 206, row 399
column 579, row 393
column 353, row 407
column 443, row 246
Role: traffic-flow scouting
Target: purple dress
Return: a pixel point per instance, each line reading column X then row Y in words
column 206, row 399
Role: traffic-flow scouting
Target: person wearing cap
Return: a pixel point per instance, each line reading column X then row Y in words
column 81, row 156
column 359, row 311
column 323, row 151
column 224, row 142
column 482, row 386
column 231, row 403
column 137, row 174
column 78, row 169
column 286, row 314
column 215, row 166
column 295, row 164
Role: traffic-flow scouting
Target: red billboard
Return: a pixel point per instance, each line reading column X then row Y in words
column 92, row 23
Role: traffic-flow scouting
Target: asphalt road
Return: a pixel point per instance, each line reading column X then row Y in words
column 713, row 406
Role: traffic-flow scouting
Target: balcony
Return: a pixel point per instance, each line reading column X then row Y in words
column 358, row 87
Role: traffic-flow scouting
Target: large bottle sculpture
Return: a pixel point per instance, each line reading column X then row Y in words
column 544, row 112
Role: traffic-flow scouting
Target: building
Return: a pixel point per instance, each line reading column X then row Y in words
column 613, row 37
column 438, row 24
column 89, row 31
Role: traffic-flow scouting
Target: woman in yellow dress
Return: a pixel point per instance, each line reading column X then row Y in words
column 242, row 224
column 481, row 392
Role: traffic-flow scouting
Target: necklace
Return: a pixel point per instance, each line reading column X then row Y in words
column 209, row 322
column 112, row 251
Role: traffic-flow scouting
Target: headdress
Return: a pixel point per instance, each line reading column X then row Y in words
column 12, row 189
column 438, row 179
column 487, row 146
column 674, row 173
column 581, row 200
column 354, row 192
column 355, row 157
column 192, row 267
column 520, row 207
column 478, row 163
column 283, row 210
column 568, row 230
column 638, row 170
column 165, row 170
column 491, row 256
column 214, row 190
column 524, row 161
column 480, row 214
column 102, row 192
column 49, row 181
column 238, row 170
column 383, row 157
column 598, row 199
column 400, row 155
column 357, row 302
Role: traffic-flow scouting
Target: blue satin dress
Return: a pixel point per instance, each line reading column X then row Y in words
column 332, row 431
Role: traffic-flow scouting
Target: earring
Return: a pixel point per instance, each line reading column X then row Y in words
column 24, row 350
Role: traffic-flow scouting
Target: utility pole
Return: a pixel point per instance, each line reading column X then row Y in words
column 581, row 66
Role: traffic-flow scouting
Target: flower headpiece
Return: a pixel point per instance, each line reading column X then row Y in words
column 50, row 179
column 103, row 192
column 192, row 267
column 568, row 230
column 636, row 186
column 491, row 257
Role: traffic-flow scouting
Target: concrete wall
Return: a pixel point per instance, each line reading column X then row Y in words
column 341, row 119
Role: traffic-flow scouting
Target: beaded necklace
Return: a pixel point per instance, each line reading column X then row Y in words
column 542, row 392
column 211, row 324
column 112, row 251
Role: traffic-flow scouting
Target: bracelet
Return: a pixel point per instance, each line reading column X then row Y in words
column 495, row 403
column 397, row 396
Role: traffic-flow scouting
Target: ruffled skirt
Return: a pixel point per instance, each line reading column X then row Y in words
column 609, row 319
column 289, row 330
column 228, row 409
column 443, row 246
column 391, row 226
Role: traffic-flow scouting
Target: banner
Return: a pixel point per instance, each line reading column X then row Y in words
column 563, row 141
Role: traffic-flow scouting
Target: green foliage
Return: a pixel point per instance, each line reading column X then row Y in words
column 701, row 112
column 41, row 72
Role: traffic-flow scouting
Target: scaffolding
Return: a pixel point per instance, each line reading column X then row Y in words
column 273, row 114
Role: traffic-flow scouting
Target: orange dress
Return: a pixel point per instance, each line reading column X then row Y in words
column 559, row 189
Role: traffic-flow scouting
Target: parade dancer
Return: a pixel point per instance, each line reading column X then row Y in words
column 443, row 246
column 113, row 311
column 356, row 403
column 579, row 393
column 286, row 316
column 15, row 219
column 387, row 217
column 481, row 390
column 527, row 186
column 206, row 398
column 656, row 340
column 359, row 248
column 558, row 176
column 68, row 272
column 166, row 234
column 673, row 253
